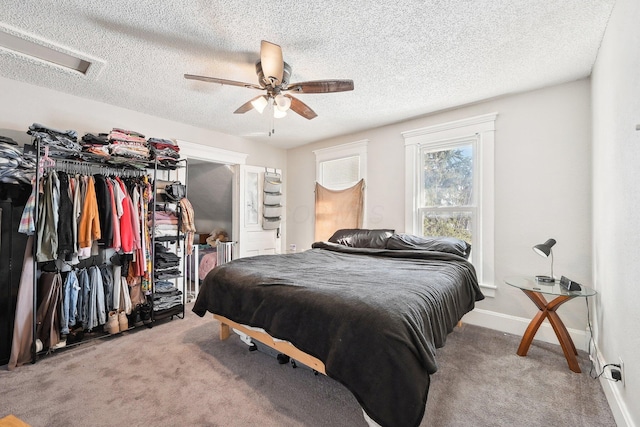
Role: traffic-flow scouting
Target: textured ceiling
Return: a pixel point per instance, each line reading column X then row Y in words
column 407, row 58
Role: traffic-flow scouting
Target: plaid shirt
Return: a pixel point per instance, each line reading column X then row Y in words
column 27, row 223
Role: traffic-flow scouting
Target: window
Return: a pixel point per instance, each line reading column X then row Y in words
column 449, row 187
column 340, row 190
column 447, row 205
column 339, row 174
column 341, row 166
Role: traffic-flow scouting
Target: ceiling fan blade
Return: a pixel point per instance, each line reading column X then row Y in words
column 221, row 81
column 322, row 86
column 272, row 62
column 301, row 108
column 247, row 106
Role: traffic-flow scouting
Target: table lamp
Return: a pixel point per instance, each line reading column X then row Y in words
column 544, row 250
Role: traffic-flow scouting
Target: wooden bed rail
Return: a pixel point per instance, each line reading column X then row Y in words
column 283, row 347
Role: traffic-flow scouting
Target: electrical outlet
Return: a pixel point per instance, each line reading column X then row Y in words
column 621, row 363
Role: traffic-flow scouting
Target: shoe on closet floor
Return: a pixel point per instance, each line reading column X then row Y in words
column 62, row 343
column 135, row 317
column 145, row 314
column 123, row 322
column 112, row 326
column 75, row 335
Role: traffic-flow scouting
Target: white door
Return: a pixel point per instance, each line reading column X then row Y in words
column 253, row 240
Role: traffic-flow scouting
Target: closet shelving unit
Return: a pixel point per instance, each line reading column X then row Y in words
column 122, row 170
column 178, row 242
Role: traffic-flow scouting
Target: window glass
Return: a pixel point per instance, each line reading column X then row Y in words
column 340, row 173
column 447, row 182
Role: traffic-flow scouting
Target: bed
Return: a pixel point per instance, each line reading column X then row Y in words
column 367, row 308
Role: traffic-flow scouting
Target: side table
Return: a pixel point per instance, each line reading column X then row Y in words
column 536, row 290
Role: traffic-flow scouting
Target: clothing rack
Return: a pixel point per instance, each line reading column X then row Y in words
column 85, row 168
column 185, row 259
column 43, row 164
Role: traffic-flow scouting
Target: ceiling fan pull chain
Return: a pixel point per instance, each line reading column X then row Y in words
column 273, row 125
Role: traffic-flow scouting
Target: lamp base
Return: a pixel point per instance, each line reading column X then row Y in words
column 545, row 279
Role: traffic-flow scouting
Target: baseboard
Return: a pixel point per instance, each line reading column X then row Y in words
column 612, row 393
column 517, row 325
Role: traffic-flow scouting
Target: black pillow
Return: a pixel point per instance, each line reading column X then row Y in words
column 361, row 238
column 449, row 245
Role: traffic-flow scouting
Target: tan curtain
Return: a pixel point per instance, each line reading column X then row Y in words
column 336, row 209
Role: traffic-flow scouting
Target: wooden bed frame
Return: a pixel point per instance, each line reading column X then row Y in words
column 283, row 347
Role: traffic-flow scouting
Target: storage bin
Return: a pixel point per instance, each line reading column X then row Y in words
column 270, row 223
column 272, row 186
column 272, row 198
column 271, row 211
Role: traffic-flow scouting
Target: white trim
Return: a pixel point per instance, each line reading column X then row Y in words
column 343, row 150
column 192, row 150
column 612, row 393
column 517, row 325
column 488, row 290
column 481, row 123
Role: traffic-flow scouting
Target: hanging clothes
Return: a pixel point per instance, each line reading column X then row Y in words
column 47, row 242
column 70, row 292
column 76, row 212
column 188, row 224
column 97, row 314
column 103, row 200
column 66, row 245
column 82, row 307
column 126, row 226
column 79, row 190
column 89, row 226
column 115, row 220
column 27, row 221
column 48, row 314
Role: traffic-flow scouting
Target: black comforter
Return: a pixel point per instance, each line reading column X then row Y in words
column 373, row 316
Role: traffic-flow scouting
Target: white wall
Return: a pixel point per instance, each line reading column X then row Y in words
column 616, row 204
column 543, row 189
column 22, row 104
column 210, row 188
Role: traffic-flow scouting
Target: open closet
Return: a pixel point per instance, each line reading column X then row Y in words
column 211, row 187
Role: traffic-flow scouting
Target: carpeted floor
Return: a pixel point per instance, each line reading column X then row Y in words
column 180, row 374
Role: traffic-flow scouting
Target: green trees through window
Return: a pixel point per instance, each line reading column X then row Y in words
column 448, row 206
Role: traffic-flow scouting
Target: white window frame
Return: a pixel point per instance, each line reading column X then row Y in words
column 344, row 151
column 482, row 129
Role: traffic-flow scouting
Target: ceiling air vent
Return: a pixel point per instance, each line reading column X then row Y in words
column 14, row 40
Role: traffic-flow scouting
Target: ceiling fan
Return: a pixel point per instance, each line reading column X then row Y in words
column 273, row 77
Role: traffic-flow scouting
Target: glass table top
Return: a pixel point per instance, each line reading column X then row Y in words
column 529, row 283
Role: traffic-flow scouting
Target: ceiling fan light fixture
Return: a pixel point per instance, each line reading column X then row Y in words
column 273, row 78
column 282, row 102
column 259, row 103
